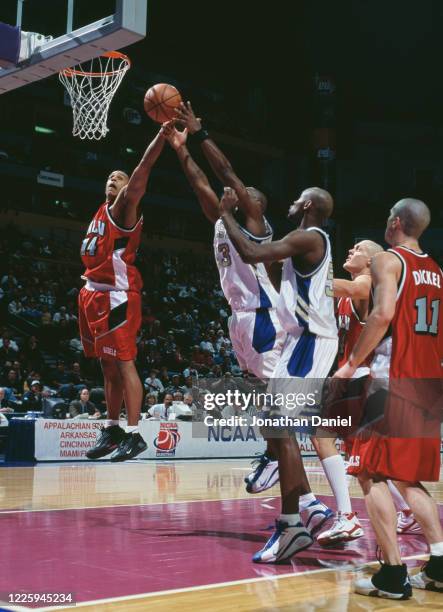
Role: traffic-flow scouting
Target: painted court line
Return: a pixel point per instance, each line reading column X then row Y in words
column 5, row 606
column 216, row 585
column 181, row 501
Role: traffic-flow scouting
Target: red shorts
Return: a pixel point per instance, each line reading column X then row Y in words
column 401, row 440
column 407, row 459
column 109, row 322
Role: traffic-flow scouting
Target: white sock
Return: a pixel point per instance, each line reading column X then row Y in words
column 291, row 519
column 305, row 500
column 110, row 423
column 398, row 498
column 334, row 468
column 436, row 549
column 131, row 429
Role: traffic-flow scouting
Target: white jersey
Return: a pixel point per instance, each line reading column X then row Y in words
column 307, row 300
column 245, row 286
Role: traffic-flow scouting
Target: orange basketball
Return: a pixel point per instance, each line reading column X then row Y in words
column 160, row 102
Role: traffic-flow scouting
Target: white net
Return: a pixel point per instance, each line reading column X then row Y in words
column 91, row 89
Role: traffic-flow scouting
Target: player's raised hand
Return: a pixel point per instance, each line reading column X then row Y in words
column 229, row 201
column 175, row 138
column 186, row 116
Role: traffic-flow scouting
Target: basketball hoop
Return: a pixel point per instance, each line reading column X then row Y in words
column 91, row 91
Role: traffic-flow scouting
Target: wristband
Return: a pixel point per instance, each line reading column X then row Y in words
column 200, row 136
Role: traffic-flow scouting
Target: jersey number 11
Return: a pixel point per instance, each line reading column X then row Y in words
column 421, row 324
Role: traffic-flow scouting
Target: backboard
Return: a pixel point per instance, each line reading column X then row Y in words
column 124, row 27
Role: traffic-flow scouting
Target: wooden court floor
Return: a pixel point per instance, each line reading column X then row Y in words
column 174, row 535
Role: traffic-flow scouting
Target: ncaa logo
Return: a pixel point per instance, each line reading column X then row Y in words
column 167, row 439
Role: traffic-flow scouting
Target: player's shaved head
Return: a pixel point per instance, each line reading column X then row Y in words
column 259, row 196
column 414, row 216
column 359, row 257
column 322, row 200
column 370, row 248
column 314, row 203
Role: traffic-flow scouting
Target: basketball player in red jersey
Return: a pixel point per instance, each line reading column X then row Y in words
column 110, row 303
column 404, row 329
column 353, row 300
column 352, row 312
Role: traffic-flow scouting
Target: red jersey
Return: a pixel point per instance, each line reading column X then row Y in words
column 349, row 329
column 108, row 253
column 416, row 328
column 406, row 442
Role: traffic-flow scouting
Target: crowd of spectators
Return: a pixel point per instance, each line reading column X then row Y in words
column 183, row 334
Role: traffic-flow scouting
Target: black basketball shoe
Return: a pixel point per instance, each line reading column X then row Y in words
column 108, row 440
column 431, row 575
column 130, row 446
column 391, row 581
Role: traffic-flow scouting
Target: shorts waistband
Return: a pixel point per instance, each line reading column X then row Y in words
column 92, row 286
column 252, row 309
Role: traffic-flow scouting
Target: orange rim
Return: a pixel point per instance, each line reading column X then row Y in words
column 70, row 72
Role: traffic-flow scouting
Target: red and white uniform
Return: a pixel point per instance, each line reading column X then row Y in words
column 409, row 360
column 349, row 329
column 351, row 405
column 110, row 301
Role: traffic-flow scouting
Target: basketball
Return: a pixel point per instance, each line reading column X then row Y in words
column 160, row 102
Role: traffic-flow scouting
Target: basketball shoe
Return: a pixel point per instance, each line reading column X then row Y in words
column 406, row 523
column 131, row 445
column 108, row 441
column 316, row 515
column 391, row 582
column 264, row 476
column 286, row 541
column 431, row 575
column 345, row 528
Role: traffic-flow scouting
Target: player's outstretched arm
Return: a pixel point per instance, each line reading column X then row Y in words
column 357, row 289
column 223, row 170
column 126, row 208
column 385, row 272
column 197, row 178
column 294, row 243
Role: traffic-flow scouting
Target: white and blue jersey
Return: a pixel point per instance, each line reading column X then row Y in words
column 306, row 312
column 256, row 334
column 307, row 300
column 245, row 286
